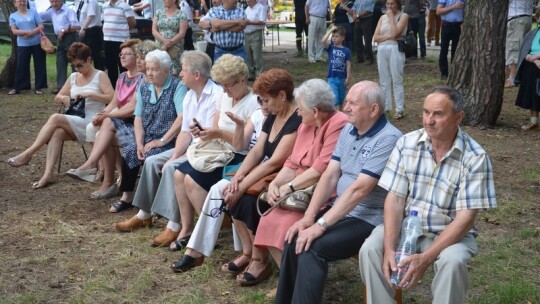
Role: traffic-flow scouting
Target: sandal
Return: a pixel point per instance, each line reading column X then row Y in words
column 179, row 244
column 248, row 279
column 120, row 206
column 13, row 162
column 529, row 126
column 399, row 115
column 234, row 269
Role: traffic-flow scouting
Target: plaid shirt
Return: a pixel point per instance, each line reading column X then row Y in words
column 227, row 39
column 462, row 180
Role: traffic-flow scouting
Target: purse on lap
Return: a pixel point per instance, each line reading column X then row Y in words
column 296, row 201
column 206, row 156
column 76, row 107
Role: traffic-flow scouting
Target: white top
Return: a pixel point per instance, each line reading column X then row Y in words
column 520, row 7
column 89, row 8
column 115, row 24
column 204, row 108
column 255, row 13
column 257, row 119
column 147, row 11
column 184, row 7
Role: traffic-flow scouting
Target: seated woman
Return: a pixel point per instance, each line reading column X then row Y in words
column 192, row 186
column 120, row 107
column 316, row 139
column 275, row 89
column 86, row 82
column 158, row 118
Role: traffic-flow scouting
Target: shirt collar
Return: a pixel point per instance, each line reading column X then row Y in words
column 379, row 125
column 459, row 142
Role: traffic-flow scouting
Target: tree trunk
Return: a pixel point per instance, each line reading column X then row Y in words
column 478, row 69
column 7, row 76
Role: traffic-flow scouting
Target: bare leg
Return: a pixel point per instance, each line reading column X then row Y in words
column 276, row 255
column 105, row 139
column 186, row 209
column 196, row 193
column 53, row 151
column 246, row 238
column 107, row 166
column 258, row 264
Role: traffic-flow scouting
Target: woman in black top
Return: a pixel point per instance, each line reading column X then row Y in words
column 342, row 12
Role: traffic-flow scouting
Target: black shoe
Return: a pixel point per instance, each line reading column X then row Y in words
column 186, row 262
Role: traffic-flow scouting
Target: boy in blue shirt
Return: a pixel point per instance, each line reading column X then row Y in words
column 339, row 63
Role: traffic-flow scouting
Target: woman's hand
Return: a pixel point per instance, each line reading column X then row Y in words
column 209, row 134
column 156, row 143
column 234, row 185
column 231, row 198
column 140, row 152
column 235, row 118
column 63, row 100
column 98, row 119
column 390, row 14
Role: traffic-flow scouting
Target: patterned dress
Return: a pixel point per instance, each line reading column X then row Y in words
column 168, row 27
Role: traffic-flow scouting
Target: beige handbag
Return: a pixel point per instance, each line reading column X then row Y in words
column 295, row 201
column 206, row 156
column 46, row 44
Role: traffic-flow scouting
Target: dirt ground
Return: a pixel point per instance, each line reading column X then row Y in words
column 58, row 245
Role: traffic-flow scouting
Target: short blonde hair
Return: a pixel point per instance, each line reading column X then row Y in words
column 229, row 67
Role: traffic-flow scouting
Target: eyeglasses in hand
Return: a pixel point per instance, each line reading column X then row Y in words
column 216, row 212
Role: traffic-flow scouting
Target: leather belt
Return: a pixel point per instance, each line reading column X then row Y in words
column 518, row 16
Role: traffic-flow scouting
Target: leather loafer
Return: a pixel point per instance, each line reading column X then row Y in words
column 132, row 224
column 186, row 262
column 165, row 238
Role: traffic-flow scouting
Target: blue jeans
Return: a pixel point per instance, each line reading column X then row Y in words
column 338, row 87
column 241, row 52
column 22, row 74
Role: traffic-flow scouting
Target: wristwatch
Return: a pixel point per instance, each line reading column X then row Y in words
column 322, row 223
column 162, row 140
column 291, row 186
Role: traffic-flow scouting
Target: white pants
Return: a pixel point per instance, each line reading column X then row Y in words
column 317, row 29
column 390, row 62
column 449, row 286
column 204, row 236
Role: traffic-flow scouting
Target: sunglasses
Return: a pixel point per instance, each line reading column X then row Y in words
column 216, row 212
column 77, row 66
column 125, row 54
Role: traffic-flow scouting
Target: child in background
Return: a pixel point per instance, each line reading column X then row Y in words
column 339, row 63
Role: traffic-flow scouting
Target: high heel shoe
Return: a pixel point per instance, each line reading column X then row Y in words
column 186, row 262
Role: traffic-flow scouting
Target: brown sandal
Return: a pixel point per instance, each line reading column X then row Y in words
column 234, row 269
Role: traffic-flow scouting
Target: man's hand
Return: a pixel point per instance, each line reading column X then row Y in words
column 307, row 237
column 458, row 5
column 209, row 134
column 418, row 263
column 389, row 265
column 300, row 225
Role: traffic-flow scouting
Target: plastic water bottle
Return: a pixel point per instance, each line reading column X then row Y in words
column 411, row 229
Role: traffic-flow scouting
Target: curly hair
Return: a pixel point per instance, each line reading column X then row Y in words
column 229, row 67
column 130, row 43
column 271, row 82
column 78, row 50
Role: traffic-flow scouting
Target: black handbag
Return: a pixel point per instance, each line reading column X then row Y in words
column 407, row 44
column 76, row 107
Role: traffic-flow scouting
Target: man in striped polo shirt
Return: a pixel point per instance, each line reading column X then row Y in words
column 227, row 23
column 118, row 18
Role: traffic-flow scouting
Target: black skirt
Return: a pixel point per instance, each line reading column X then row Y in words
column 245, row 210
column 527, row 98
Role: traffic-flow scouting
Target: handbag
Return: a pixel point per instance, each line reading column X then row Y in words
column 206, row 156
column 46, row 44
column 76, row 107
column 407, row 43
column 257, row 188
column 296, row 201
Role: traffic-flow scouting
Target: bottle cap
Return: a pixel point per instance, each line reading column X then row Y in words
column 413, row 213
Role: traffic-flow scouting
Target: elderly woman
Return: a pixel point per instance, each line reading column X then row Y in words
column 528, row 75
column 88, row 83
column 158, row 118
column 274, row 145
column 192, row 186
column 317, row 136
column 120, row 109
column 169, row 28
column 26, row 24
column 390, row 61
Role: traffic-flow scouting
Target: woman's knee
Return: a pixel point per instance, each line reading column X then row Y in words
column 179, row 177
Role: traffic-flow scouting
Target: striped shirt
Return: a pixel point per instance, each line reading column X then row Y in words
column 115, row 20
column 462, row 180
column 227, row 39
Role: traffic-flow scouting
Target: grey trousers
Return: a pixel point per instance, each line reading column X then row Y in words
column 253, row 45
column 61, row 58
column 451, row 276
column 155, row 192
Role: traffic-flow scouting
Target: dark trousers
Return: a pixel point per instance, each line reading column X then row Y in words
column 22, row 74
column 422, row 34
column 363, row 35
column 188, row 40
column 450, row 32
column 129, row 177
column 93, row 37
column 413, row 22
column 61, row 58
column 210, row 48
column 112, row 61
column 301, row 26
column 377, row 14
column 302, row 277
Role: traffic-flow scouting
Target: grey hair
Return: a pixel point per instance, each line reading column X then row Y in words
column 452, row 94
column 373, row 94
column 316, row 93
column 145, row 47
column 198, row 62
column 161, row 57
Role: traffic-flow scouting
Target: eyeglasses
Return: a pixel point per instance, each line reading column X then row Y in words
column 216, row 212
column 77, row 66
column 125, row 54
column 228, row 86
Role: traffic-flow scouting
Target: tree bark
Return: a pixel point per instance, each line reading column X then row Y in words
column 478, row 69
column 7, row 76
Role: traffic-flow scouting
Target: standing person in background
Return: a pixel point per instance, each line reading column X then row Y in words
column 210, row 46
column 26, row 25
column 422, row 28
column 91, row 33
column 145, row 7
column 65, row 26
column 343, row 14
column 169, row 27
column 412, row 8
column 256, row 20
column 300, row 23
column 363, row 30
column 339, row 63
column 434, row 23
column 227, row 23
column 185, row 7
column 377, row 12
column 118, row 18
column 451, row 12
column 315, row 11
column 517, row 25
